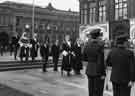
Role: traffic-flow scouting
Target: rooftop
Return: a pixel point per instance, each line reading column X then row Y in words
column 49, row 8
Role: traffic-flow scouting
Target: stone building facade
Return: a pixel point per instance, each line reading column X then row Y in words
column 51, row 22
column 102, row 12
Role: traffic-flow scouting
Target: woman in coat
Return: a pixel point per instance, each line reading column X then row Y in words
column 77, row 65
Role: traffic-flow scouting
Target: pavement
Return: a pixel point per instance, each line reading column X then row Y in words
column 8, row 91
column 37, row 83
column 51, row 83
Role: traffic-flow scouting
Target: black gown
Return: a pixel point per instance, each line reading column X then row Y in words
column 68, row 59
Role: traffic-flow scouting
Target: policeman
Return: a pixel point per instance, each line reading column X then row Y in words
column 122, row 62
column 95, row 70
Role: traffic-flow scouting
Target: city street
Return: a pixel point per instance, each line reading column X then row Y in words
column 46, row 84
column 37, row 83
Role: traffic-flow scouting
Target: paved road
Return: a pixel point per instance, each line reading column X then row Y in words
column 46, row 84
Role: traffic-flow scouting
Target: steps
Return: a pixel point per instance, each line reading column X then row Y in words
column 18, row 65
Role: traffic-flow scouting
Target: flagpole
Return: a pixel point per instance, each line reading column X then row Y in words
column 33, row 18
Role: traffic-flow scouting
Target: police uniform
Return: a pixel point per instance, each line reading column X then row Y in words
column 122, row 62
column 95, row 69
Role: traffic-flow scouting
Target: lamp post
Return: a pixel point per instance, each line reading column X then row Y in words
column 33, row 18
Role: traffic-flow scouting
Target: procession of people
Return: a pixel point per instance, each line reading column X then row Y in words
column 120, row 58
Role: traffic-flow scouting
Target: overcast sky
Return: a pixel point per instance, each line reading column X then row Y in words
column 59, row 4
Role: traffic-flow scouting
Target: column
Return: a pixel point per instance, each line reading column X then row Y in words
column 97, row 11
column 14, row 23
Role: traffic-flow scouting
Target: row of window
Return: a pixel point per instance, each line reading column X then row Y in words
column 121, row 11
column 5, row 20
column 88, row 12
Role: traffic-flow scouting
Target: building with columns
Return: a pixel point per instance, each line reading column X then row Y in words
column 100, row 13
column 51, row 22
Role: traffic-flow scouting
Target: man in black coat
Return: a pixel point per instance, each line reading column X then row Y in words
column 77, row 65
column 55, row 53
column 44, row 52
column 95, row 71
column 15, row 45
column 33, row 49
column 122, row 62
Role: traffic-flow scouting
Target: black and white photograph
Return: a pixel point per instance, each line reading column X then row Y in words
column 67, row 48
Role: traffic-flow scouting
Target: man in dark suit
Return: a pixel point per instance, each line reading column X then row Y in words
column 44, row 52
column 34, row 47
column 55, row 53
column 122, row 62
column 95, row 71
column 15, row 45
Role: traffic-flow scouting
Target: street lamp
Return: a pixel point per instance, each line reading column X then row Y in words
column 33, row 18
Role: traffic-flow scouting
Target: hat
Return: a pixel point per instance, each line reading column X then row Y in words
column 95, row 33
column 122, row 38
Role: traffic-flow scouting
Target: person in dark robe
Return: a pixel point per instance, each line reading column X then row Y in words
column 55, row 54
column 34, row 47
column 67, row 52
column 15, row 45
column 95, row 70
column 1, row 49
column 44, row 52
column 77, row 65
column 11, row 46
column 121, row 59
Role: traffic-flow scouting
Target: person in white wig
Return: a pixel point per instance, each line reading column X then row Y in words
column 24, row 43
